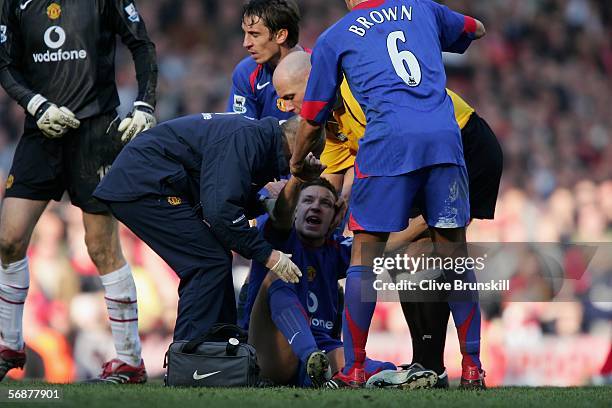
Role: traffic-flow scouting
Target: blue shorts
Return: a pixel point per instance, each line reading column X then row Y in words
column 384, row 204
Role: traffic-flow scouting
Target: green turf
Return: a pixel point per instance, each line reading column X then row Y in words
column 155, row 395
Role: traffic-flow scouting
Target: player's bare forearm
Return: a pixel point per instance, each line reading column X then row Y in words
column 306, row 141
column 286, row 202
column 417, row 229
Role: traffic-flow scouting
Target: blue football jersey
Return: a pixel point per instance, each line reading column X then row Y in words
column 318, row 287
column 253, row 94
column 391, row 54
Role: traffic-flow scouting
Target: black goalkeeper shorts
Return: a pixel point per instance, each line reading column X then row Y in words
column 484, row 161
column 44, row 168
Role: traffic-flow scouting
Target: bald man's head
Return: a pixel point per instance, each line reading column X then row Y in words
column 290, row 79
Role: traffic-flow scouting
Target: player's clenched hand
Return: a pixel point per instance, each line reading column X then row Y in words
column 140, row 119
column 283, row 267
column 309, row 169
column 51, row 120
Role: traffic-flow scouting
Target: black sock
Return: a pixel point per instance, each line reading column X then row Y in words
column 433, row 317
column 411, row 314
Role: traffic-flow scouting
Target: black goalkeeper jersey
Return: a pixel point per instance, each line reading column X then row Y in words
column 65, row 51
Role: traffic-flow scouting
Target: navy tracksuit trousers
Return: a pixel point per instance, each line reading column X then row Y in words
column 177, row 233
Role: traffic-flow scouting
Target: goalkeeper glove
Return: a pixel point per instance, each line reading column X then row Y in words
column 51, row 120
column 141, row 118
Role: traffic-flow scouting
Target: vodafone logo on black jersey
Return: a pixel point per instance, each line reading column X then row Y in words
column 54, row 38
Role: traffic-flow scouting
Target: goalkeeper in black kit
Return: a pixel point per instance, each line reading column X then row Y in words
column 57, row 61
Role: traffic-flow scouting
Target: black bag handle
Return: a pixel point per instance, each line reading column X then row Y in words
column 218, row 332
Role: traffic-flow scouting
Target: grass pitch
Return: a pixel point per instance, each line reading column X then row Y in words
column 155, row 395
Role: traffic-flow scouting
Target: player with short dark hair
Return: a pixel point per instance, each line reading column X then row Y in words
column 391, row 55
column 276, row 15
column 271, row 32
column 292, row 324
column 57, row 61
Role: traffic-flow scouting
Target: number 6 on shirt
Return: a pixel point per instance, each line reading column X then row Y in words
column 412, row 78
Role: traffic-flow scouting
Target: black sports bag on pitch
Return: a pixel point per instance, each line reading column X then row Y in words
column 221, row 358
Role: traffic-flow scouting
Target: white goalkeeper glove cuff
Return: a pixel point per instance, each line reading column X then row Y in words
column 140, row 119
column 36, row 102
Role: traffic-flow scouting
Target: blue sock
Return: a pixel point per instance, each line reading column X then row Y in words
column 466, row 314
column 357, row 315
column 291, row 319
column 374, row 366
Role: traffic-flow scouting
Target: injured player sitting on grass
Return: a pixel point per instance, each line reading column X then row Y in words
column 292, row 325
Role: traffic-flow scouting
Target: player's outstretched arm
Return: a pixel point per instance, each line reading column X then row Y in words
column 308, row 140
column 284, row 208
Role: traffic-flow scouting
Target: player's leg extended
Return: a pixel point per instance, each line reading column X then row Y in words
column 427, row 320
column 102, row 240
column 359, row 302
column 89, row 152
column 465, row 309
column 448, row 213
column 280, row 331
column 380, row 204
column 465, row 306
column 18, row 219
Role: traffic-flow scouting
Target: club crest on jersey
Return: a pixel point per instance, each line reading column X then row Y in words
column 174, row 200
column 54, row 11
column 2, row 34
column 312, row 273
column 132, row 13
column 239, row 104
column 9, row 181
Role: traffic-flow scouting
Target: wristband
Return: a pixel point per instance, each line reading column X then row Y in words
column 35, row 103
column 143, row 104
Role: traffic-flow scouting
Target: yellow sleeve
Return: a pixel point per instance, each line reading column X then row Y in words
column 352, row 121
column 463, row 111
column 340, row 151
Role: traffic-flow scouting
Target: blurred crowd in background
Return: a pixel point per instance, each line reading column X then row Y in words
column 542, row 78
